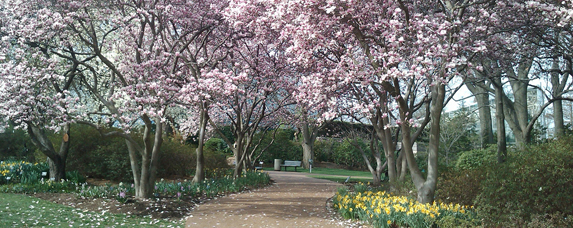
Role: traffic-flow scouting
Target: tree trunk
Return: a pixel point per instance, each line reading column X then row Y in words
column 240, row 159
column 500, row 121
column 57, row 169
column 558, row 118
column 426, row 187
column 56, row 160
column 403, row 167
column 239, row 152
column 200, row 168
column 158, row 141
column 427, row 190
column 144, row 176
column 389, row 153
column 482, row 99
column 384, row 134
column 307, row 154
column 145, row 162
column 308, row 138
column 377, row 173
column 557, row 88
column 516, row 112
column 133, row 160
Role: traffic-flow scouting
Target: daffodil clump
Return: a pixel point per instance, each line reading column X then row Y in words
column 6, row 167
column 382, row 209
column 20, row 171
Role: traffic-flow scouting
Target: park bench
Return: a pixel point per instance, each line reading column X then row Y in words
column 291, row 164
column 260, row 167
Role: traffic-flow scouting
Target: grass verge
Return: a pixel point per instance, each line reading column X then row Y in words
column 24, row 211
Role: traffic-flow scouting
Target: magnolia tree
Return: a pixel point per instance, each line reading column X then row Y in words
column 309, row 124
column 87, row 32
column 37, row 80
column 39, row 101
column 168, row 55
column 260, row 88
column 204, row 49
column 317, row 103
column 377, row 48
column 134, row 59
column 310, row 116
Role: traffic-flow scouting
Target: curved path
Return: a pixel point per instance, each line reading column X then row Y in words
column 294, row 200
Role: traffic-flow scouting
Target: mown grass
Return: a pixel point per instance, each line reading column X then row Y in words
column 24, row 211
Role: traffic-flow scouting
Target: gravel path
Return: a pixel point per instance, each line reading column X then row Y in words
column 294, row 200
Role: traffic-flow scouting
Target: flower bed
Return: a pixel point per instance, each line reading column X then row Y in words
column 163, row 189
column 21, row 171
column 382, row 209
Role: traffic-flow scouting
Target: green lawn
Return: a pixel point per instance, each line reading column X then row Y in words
column 24, row 211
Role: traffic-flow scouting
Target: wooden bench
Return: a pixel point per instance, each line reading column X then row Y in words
column 291, row 164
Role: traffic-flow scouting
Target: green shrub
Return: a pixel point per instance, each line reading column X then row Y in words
column 532, row 184
column 218, row 145
column 108, row 157
column 323, row 149
column 215, row 160
column 15, row 144
column 555, row 220
column 75, row 177
column 284, row 147
column 98, row 157
column 474, row 159
column 346, row 153
column 176, row 159
column 460, row 186
column 92, row 155
column 342, row 152
column 451, row 221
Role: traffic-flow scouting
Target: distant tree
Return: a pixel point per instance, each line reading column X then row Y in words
column 457, row 134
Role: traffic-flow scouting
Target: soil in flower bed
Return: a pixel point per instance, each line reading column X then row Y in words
column 171, row 208
column 159, row 208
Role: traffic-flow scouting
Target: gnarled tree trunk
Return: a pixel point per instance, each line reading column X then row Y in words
column 144, row 176
column 56, row 159
column 427, row 188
